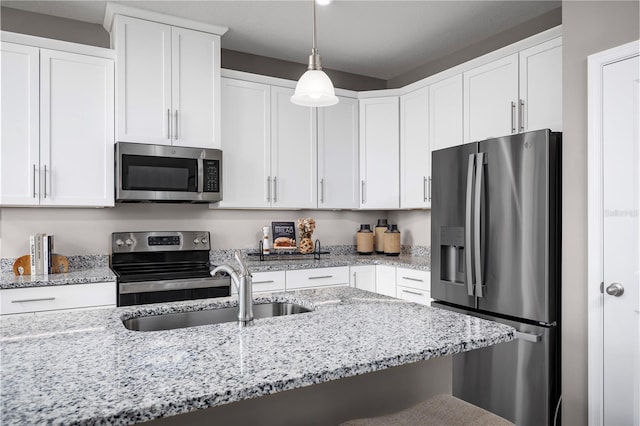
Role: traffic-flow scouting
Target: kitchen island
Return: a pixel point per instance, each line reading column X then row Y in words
column 85, row 367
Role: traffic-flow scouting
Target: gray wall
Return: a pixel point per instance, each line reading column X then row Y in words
column 588, row 27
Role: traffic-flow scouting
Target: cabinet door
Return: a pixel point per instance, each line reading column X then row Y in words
column 490, row 99
column 19, row 125
column 76, row 129
column 363, row 277
column 143, row 50
column 415, row 158
column 338, row 155
column 195, row 88
column 379, row 153
column 541, row 87
column 294, row 167
column 386, row 280
column 246, row 144
column 445, row 113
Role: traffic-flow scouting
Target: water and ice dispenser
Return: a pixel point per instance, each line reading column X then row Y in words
column 452, row 254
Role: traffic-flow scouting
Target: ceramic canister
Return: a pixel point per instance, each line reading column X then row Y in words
column 364, row 240
column 392, row 241
column 380, row 229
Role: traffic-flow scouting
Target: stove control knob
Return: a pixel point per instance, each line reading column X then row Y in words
column 119, row 242
column 196, row 240
column 129, row 242
column 204, row 240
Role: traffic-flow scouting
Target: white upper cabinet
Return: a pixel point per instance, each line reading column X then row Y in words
column 540, row 105
column 379, row 153
column 415, row 158
column 246, row 144
column 19, row 125
column 338, row 155
column 168, row 81
column 490, row 99
column 57, row 128
column 445, row 113
column 293, row 152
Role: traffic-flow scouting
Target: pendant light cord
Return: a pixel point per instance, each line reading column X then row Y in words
column 314, row 49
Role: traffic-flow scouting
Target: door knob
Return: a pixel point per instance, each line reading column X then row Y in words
column 615, row 289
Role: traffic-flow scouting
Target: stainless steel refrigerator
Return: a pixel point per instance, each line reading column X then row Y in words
column 495, row 246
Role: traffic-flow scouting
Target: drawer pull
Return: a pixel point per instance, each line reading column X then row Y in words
column 413, row 279
column 415, row 293
column 42, row 299
column 321, row 277
column 263, row 282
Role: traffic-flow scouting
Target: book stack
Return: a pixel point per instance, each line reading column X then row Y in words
column 41, row 254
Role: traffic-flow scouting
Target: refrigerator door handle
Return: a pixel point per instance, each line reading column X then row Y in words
column 529, row 337
column 476, row 224
column 467, row 226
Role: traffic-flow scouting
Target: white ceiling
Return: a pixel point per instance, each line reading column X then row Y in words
column 381, row 39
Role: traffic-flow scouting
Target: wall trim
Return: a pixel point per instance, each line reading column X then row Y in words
column 595, row 226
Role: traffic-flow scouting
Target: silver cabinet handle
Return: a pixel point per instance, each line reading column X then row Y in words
column 413, row 279
column 513, row 117
column 355, row 279
column 268, row 189
column 412, row 292
column 320, row 277
column 168, row 124
column 521, row 115
column 34, row 181
column 322, row 190
column 467, row 225
column 42, row 299
column 424, row 188
column 429, row 188
column 275, row 190
column 45, row 181
column 263, row 282
column 533, row 338
column 362, row 190
column 476, row 224
column 175, row 130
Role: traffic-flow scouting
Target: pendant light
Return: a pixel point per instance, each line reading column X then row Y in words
column 314, row 89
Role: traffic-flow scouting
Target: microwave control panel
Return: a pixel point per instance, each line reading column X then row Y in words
column 211, row 175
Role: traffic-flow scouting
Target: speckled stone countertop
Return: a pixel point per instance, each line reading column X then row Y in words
column 86, row 368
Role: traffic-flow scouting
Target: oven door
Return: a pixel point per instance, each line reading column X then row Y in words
column 145, row 292
column 166, row 173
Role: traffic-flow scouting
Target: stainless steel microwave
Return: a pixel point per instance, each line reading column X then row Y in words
column 165, row 173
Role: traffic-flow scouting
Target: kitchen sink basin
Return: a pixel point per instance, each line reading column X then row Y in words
column 210, row 316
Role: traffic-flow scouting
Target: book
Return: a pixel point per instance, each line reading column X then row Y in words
column 32, row 254
column 38, row 260
column 284, row 235
column 47, row 253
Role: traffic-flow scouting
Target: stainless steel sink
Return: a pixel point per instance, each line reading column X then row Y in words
column 210, row 316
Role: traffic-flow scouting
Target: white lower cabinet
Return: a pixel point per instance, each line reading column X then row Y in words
column 413, row 285
column 265, row 282
column 386, row 280
column 57, row 298
column 363, row 277
column 317, row 277
column 412, row 295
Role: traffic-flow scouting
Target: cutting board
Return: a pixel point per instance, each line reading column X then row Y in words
column 59, row 264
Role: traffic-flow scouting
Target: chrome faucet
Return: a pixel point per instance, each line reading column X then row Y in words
column 243, row 284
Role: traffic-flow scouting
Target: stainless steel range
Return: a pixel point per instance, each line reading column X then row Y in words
column 164, row 266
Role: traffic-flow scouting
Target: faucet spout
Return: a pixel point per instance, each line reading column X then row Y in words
column 243, row 284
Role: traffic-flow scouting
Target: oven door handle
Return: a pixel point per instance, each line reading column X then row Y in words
column 167, row 285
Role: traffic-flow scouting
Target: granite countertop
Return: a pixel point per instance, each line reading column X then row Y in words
column 85, row 367
column 87, row 275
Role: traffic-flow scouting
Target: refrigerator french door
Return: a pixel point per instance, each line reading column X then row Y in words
column 495, row 253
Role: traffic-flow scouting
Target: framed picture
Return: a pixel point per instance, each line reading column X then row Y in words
column 284, row 235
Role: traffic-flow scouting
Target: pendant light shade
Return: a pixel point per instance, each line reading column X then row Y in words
column 314, row 89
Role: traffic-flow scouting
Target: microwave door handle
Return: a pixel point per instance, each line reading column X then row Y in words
column 476, row 224
column 200, row 175
column 467, row 226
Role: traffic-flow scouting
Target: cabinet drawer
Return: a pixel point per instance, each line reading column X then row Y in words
column 265, row 282
column 422, row 297
column 35, row 299
column 413, row 278
column 318, row 277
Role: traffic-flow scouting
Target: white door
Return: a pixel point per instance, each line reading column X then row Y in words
column 415, row 152
column 490, row 99
column 338, row 155
column 294, row 155
column 363, row 277
column 540, row 104
column 379, row 153
column 143, row 50
column 195, row 65
column 76, row 129
column 246, row 144
column 621, row 199
column 445, row 113
column 19, row 125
